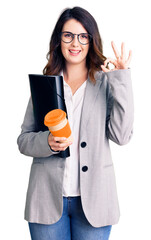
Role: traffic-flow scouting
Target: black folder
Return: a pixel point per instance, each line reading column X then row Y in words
column 47, row 93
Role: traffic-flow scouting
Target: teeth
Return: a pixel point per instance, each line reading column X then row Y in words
column 74, row 51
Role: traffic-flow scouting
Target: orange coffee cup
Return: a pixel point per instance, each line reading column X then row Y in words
column 58, row 124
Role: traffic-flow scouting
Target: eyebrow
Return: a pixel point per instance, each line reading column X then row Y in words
column 75, row 33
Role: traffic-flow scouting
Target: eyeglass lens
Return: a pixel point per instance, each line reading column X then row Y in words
column 67, row 37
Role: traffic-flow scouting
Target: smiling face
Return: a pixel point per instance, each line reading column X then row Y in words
column 74, row 52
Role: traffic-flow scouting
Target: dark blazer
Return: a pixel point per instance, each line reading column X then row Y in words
column 107, row 113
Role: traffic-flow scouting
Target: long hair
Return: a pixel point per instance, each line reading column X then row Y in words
column 95, row 58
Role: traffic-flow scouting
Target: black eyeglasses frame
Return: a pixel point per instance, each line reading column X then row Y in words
column 73, row 34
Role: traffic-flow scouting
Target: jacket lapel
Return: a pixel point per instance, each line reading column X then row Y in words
column 91, row 92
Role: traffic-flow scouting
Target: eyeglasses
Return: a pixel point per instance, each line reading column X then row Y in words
column 83, row 38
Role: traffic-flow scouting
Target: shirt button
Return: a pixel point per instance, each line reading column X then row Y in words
column 84, row 168
column 83, row 144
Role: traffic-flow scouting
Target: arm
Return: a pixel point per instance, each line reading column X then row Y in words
column 119, row 121
column 120, row 106
column 31, row 143
column 38, row 144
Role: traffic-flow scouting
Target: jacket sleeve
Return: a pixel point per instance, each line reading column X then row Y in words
column 31, row 143
column 120, row 110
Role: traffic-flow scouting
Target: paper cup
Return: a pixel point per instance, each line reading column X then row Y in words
column 58, row 124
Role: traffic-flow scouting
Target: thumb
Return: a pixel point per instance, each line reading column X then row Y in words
column 104, row 69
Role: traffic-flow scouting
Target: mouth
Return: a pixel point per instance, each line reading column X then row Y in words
column 74, row 52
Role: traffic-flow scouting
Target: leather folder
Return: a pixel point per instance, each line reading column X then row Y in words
column 47, row 94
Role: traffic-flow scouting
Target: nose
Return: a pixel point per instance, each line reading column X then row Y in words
column 75, row 41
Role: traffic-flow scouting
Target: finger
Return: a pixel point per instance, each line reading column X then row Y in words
column 104, row 68
column 58, row 149
column 106, row 62
column 59, row 139
column 110, row 60
column 129, row 58
column 64, row 145
column 60, row 146
column 117, row 55
column 123, row 55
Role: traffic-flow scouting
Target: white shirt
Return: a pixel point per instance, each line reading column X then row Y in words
column 71, row 181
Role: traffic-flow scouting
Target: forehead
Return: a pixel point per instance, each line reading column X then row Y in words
column 73, row 26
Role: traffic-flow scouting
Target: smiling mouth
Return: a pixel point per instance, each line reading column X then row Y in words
column 75, row 52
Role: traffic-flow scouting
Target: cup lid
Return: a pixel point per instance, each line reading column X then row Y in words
column 54, row 117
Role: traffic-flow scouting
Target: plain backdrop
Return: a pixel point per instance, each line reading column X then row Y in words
column 26, row 27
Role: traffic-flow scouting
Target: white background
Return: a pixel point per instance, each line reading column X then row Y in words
column 26, row 27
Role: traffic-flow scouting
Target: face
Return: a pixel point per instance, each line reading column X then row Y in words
column 74, row 52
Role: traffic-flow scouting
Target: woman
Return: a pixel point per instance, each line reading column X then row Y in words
column 75, row 198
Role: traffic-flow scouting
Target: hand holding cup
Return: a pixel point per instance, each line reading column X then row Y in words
column 60, row 137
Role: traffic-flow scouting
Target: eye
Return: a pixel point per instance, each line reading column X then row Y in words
column 67, row 35
column 84, row 35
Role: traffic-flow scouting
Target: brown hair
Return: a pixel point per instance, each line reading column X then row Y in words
column 95, row 58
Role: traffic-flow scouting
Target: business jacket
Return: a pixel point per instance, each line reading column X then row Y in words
column 107, row 113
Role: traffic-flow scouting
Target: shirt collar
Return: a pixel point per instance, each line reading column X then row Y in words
column 61, row 74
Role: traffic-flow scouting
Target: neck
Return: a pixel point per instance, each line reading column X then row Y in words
column 75, row 76
column 75, row 72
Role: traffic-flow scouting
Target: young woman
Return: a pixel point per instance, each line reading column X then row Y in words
column 75, row 198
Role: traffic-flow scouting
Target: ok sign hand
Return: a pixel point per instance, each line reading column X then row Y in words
column 120, row 62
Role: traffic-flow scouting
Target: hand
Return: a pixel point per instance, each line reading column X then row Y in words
column 120, row 62
column 58, row 143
